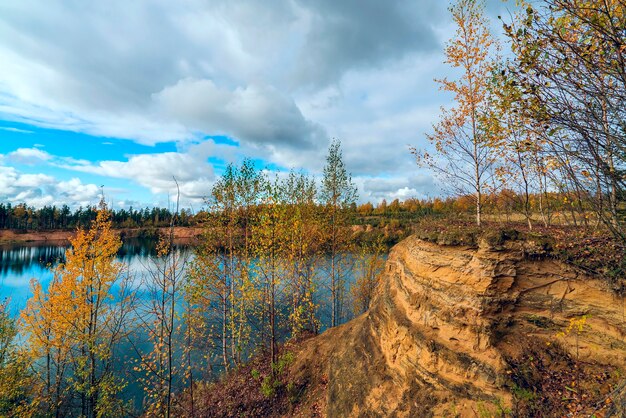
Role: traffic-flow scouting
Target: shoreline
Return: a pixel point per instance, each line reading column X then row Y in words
column 15, row 237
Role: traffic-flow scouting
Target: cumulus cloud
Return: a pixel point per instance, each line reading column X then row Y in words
column 377, row 189
column 33, row 180
column 28, row 156
column 75, row 191
column 40, row 189
column 160, row 172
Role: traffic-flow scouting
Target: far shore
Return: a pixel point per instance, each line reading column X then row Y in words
column 62, row 237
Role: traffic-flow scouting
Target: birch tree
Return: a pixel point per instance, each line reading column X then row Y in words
column 303, row 251
column 337, row 193
column 465, row 139
column 163, row 367
column 270, row 244
column 18, row 387
column 570, row 64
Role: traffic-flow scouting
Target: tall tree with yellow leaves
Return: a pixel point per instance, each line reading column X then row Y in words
column 18, row 386
column 76, row 325
column 337, row 194
column 302, row 251
column 231, row 200
column 522, row 149
column 48, row 346
column 220, row 289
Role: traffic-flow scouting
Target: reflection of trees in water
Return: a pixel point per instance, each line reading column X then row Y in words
column 20, row 260
column 143, row 247
column 136, row 248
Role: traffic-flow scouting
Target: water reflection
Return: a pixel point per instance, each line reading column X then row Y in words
column 20, row 264
column 18, row 260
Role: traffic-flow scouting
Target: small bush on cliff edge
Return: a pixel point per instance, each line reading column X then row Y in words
column 273, row 381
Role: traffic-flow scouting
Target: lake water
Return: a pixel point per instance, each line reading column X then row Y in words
column 21, row 263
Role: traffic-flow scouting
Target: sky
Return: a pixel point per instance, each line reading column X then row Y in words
column 123, row 96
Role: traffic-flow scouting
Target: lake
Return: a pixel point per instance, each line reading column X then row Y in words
column 21, row 263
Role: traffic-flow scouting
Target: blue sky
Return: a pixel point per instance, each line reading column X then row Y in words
column 129, row 94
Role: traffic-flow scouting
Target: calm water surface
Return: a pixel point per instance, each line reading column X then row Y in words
column 21, row 263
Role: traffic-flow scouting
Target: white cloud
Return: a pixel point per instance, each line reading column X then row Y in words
column 75, row 191
column 28, row 156
column 157, row 172
column 17, row 130
column 40, row 189
column 33, row 180
column 398, row 187
column 257, row 113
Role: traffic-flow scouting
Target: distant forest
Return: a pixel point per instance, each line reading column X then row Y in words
column 23, row 217
column 505, row 205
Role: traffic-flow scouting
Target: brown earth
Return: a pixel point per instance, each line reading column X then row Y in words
column 467, row 332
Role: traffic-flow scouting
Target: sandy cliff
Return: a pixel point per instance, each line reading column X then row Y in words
column 458, row 331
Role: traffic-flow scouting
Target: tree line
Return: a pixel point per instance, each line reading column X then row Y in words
column 502, row 203
column 46, row 218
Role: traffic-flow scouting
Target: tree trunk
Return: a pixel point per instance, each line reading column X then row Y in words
column 478, row 208
column 225, row 331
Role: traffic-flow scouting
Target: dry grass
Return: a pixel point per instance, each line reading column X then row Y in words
column 244, row 392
